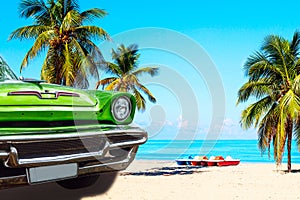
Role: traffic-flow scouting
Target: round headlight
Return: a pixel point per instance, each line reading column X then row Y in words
column 121, row 108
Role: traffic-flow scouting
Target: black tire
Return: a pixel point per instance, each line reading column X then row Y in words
column 79, row 182
column 107, row 179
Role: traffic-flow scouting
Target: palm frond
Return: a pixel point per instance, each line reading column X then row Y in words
column 126, row 57
column 280, row 138
column 68, row 68
column 140, row 101
column 114, row 85
column 49, row 71
column 69, row 5
column 91, row 32
column 94, row 52
column 153, row 71
column 105, row 82
column 267, row 129
column 38, row 46
column 91, row 14
column 295, row 44
column 133, row 83
column 290, row 103
column 71, row 19
column 147, row 92
column 254, row 112
column 296, row 85
column 114, row 69
column 258, row 58
column 297, row 132
column 84, row 65
column 28, row 32
column 257, row 89
column 28, row 8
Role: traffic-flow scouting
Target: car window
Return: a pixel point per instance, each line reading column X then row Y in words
column 5, row 72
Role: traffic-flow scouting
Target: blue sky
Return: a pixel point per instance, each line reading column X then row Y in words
column 228, row 31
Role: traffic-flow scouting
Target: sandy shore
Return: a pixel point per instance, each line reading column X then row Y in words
column 155, row 180
column 245, row 181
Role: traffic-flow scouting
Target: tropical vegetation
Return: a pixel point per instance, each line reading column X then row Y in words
column 60, row 30
column 274, row 87
column 126, row 73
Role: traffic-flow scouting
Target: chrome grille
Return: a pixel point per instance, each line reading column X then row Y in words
column 123, row 138
column 36, row 149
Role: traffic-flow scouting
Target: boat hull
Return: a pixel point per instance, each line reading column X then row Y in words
column 183, row 162
column 228, row 163
column 199, row 163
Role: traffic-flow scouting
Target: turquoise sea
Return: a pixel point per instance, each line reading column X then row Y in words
column 245, row 150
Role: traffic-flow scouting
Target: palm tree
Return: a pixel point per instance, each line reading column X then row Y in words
column 59, row 28
column 274, row 81
column 126, row 72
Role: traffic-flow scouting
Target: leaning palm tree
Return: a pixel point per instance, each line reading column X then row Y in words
column 59, row 28
column 126, row 72
column 274, row 81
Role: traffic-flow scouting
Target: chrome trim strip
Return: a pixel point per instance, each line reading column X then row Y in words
column 80, row 134
column 127, row 160
column 40, row 94
column 13, row 158
column 58, row 159
column 3, row 154
column 128, row 143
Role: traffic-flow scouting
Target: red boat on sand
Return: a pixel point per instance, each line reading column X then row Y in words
column 220, row 161
column 212, row 161
column 228, row 161
column 199, row 161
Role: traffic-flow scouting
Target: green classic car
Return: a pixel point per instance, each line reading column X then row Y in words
column 54, row 133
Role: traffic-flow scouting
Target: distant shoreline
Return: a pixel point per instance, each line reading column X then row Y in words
column 245, row 150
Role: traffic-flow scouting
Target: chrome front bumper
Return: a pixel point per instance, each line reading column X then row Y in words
column 121, row 140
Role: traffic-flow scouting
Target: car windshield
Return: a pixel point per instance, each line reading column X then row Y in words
column 5, row 72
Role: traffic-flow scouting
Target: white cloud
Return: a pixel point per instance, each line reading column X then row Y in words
column 182, row 123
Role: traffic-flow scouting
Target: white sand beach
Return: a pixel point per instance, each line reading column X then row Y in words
column 167, row 181
column 245, row 181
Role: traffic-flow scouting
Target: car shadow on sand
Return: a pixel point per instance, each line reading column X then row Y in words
column 166, row 171
column 51, row 191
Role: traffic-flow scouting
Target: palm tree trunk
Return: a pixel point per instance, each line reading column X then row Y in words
column 289, row 130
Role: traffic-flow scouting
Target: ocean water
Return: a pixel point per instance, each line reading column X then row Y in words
column 245, row 150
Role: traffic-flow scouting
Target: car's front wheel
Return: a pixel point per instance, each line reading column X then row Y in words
column 107, row 179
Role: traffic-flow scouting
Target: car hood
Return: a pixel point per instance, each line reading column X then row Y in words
column 37, row 93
